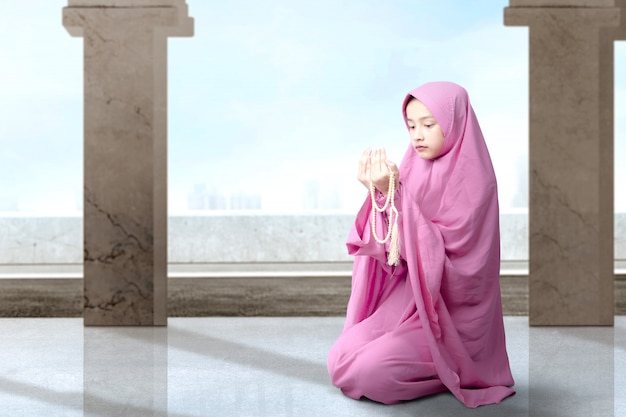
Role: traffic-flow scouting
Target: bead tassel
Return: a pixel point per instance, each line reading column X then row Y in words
column 393, row 256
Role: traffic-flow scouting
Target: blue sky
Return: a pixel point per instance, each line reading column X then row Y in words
column 273, row 97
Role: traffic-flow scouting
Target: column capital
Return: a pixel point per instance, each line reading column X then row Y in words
column 170, row 14
column 125, row 3
column 600, row 13
column 561, row 3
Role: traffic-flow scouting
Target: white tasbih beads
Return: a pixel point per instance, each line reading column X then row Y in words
column 393, row 256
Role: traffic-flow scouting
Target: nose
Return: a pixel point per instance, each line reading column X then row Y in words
column 416, row 135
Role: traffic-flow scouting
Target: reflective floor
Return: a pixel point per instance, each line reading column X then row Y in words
column 276, row 367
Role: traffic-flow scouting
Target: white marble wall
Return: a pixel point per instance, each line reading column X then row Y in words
column 233, row 238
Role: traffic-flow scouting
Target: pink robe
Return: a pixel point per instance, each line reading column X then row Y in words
column 434, row 322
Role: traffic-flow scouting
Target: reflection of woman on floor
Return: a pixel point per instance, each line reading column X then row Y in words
column 425, row 313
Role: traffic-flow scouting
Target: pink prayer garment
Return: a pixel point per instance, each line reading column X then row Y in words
column 433, row 323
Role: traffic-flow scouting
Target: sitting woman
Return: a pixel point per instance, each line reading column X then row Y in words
column 425, row 313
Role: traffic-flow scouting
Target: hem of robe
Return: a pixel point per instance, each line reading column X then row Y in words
column 470, row 397
column 431, row 387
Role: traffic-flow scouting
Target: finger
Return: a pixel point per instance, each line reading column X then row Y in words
column 373, row 163
column 380, row 162
column 394, row 168
column 383, row 155
column 364, row 164
column 383, row 160
column 396, row 172
column 364, row 158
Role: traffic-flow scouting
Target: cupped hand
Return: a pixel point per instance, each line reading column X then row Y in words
column 374, row 167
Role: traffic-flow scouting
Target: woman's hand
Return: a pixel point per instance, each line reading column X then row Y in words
column 374, row 167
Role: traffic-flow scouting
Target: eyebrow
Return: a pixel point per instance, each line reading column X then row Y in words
column 421, row 118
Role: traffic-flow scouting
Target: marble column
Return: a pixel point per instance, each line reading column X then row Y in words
column 125, row 155
column 571, row 158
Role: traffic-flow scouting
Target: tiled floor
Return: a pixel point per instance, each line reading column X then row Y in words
column 276, row 367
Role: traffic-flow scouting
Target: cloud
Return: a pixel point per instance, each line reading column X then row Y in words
column 267, row 89
column 296, row 83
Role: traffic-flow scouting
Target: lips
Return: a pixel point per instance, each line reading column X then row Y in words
column 420, row 148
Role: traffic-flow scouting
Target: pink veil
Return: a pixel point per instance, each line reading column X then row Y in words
column 450, row 239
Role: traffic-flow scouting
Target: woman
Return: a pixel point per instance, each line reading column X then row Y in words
column 428, row 319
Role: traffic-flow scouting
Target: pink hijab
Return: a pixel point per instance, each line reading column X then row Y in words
column 451, row 241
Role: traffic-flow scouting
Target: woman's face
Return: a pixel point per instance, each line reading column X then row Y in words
column 426, row 134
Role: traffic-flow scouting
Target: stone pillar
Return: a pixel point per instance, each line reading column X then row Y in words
column 125, row 155
column 571, row 158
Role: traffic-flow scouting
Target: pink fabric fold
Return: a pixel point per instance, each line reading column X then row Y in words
column 448, row 278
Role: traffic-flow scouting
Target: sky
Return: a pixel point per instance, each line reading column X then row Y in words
column 276, row 99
